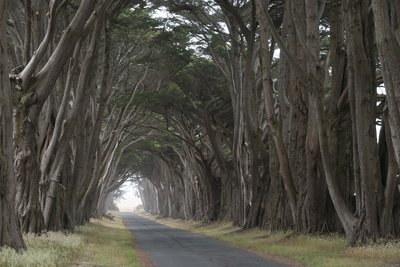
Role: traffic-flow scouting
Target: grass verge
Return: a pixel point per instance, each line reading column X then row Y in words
column 51, row 249
column 306, row 250
column 100, row 243
column 107, row 243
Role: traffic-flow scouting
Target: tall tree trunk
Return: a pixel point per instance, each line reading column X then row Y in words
column 315, row 201
column 10, row 233
column 275, row 128
column 388, row 44
column 386, row 222
column 362, row 87
column 338, row 118
column 27, row 170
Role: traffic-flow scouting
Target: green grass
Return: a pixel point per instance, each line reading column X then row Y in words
column 107, row 243
column 307, row 250
column 100, row 243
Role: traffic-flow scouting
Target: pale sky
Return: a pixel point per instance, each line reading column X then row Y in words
column 130, row 199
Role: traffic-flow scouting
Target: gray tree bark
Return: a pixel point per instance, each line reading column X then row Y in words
column 10, row 233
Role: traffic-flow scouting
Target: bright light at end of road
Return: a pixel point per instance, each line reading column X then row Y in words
column 130, row 199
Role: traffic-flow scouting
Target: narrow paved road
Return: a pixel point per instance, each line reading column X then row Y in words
column 168, row 247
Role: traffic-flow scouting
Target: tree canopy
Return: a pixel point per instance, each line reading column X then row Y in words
column 275, row 114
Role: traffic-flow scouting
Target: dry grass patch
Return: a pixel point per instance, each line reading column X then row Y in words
column 48, row 250
column 100, row 243
column 307, row 250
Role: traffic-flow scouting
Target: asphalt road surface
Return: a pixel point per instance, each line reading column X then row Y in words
column 168, row 247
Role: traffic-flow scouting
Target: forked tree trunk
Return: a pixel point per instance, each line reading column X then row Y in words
column 349, row 222
column 275, row 128
column 31, row 93
column 81, row 100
